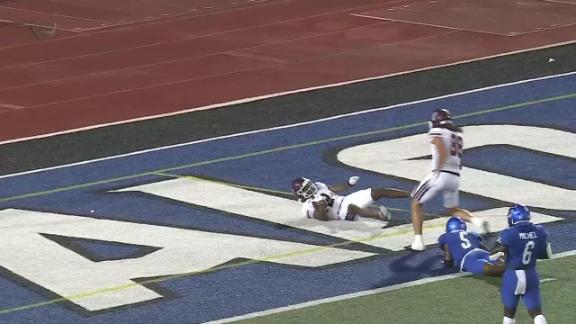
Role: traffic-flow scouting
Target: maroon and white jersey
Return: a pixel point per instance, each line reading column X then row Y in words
column 454, row 145
column 333, row 199
column 337, row 204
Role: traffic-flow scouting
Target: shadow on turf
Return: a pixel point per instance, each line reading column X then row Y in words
column 412, row 266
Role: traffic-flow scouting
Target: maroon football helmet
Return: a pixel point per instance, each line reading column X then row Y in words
column 303, row 188
column 440, row 117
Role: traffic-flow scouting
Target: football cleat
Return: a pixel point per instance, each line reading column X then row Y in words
column 415, row 247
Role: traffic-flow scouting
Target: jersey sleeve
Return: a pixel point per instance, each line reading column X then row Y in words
column 435, row 132
column 321, row 186
column 542, row 232
column 505, row 237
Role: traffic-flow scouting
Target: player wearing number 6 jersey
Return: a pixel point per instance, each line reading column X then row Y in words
column 447, row 145
column 324, row 202
column 523, row 243
column 465, row 251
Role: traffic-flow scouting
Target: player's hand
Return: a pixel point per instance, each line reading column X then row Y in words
column 353, row 181
column 498, row 256
column 447, row 263
column 318, row 200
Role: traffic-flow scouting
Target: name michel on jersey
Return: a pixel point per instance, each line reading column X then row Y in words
column 527, row 236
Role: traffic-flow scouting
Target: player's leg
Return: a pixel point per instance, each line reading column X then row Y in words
column 494, row 270
column 425, row 191
column 417, row 224
column 361, row 203
column 468, row 217
column 365, row 212
column 378, row 193
column 478, row 262
column 452, row 202
column 509, row 296
column 532, row 298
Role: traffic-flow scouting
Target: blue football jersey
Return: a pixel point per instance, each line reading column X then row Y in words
column 459, row 243
column 524, row 242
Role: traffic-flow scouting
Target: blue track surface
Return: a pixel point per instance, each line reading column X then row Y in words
column 300, row 150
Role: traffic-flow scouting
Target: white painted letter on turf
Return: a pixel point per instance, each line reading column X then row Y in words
column 106, row 284
column 396, row 157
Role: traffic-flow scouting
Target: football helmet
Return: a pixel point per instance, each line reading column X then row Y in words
column 439, row 118
column 455, row 223
column 304, row 188
column 518, row 213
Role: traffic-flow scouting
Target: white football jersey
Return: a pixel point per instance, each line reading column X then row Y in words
column 334, row 202
column 453, row 142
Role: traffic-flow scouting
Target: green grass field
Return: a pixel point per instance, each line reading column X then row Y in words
column 463, row 300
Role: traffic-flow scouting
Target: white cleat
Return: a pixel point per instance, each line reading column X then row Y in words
column 416, row 246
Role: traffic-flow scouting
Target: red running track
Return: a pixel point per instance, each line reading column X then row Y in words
column 109, row 64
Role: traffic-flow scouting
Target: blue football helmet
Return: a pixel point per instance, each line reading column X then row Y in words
column 518, row 213
column 455, row 223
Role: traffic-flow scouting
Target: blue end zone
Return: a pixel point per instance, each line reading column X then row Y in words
column 270, row 160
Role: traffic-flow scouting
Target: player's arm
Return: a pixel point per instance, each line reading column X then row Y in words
column 339, row 188
column 320, row 209
column 547, row 252
column 447, row 257
column 500, row 245
column 442, row 152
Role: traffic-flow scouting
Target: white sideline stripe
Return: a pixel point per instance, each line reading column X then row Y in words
column 245, row 100
column 361, row 293
column 277, row 127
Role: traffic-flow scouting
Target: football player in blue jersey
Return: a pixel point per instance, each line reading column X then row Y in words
column 523, row 243
column 465, row 250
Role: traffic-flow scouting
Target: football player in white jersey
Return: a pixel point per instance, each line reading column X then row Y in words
column 325, row 203
column 447, row 145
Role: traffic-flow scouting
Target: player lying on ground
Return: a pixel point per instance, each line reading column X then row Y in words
column 523, row 243
column 465, row 250
column 325, row 203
